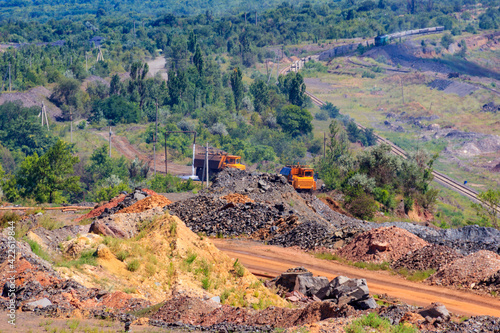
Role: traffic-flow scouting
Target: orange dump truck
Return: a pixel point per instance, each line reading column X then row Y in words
column 216, row 163
column 301, row 177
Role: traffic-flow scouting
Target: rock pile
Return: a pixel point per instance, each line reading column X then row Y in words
column 381, row 245
column 429, row 257
column 469, row 271
column 237, row 198
column 117, row 204
column 298, row 283
column 196, row 314
column 140, row 206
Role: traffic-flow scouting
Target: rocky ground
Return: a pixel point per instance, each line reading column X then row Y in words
column 202, row 287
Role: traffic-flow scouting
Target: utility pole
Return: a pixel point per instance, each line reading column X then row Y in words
column 255, row 18
column 156, row 135
column 206, row 163
column 402, row 91
column 109, row 141
column 10, row 82
column 86, row 64
column 43, row 113
column 71, row 126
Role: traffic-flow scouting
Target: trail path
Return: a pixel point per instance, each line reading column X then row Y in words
column 123, row 146
column 273, row 260
column 158, row 65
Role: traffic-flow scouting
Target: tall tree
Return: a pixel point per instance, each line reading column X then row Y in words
column 198, row 59
column 237, row 87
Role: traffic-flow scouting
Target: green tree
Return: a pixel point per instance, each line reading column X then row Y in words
column 198, row 60
column 237, row 87
column 295, row 120
column 260, row 93
column 45, row 177
column 68, row 96
column 488, row 209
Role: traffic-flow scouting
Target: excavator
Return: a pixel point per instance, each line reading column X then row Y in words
column 301, row 177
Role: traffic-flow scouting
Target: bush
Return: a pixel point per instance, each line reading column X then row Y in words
column 332, row 110
column 7, row 217
column 363, row 207
column 133, row 265
column 368, row 75
column 447, row 40
column 322, row 115
column 122, row 255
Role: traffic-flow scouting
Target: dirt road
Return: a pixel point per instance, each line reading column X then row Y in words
column 274, row 260
column 158, row 65
column 123, row 146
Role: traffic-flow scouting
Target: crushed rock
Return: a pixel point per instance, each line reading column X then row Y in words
column 469, row 271
column 429, row 257
column 237, row 198
column 380, row 245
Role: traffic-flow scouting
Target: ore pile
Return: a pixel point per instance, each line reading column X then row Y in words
column 264, row 207
column 39, row 288
column 429, row 257
column 150, row 202
column 468, row 239
column 196, row 314
column 116, row 204
column 467, row 272
column 382, row 244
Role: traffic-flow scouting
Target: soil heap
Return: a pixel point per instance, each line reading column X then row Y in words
column 429, row 257
column 140, row 206
column 469, row 271
column 381, row 245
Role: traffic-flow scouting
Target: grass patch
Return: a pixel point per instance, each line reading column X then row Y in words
column 206, row 283
column 239, row 269
column 8, row 216
column 416, row 276
column 327, row 256
column 173, row 228
column 130, row 290
column 73, row 324
column 134, row 265
column 190, row 258
column 37, row 249
column 122, row 255
column 374, row 323
column 49, row 223
column 150, row 269
column 86, row 258
column 385, row 266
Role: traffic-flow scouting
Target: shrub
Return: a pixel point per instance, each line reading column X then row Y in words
column 122, row 255
column 368, row 75
column 133, row 265
column 363, row 207
column 238, row 268
column 7, row 217
column 322, row 115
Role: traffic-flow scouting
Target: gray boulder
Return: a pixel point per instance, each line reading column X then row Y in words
column 343, row 290
column 310, row 285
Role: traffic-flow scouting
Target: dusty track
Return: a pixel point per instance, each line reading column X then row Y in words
column 273, row 260
column 123, row 146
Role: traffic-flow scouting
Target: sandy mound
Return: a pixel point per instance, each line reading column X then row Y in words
column 145, row 204
column 382, row 244
column 429, row 257
column 468, row 271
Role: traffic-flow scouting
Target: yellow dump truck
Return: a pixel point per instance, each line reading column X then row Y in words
column 301, row 177
column 216, row 163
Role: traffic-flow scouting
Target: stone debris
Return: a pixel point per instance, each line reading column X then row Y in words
column 429, row 257
column 468, row 271
column 381, row 245
column 435, row 312
column 299, row 285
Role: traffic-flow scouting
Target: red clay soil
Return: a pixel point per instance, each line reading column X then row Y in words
column 145, row 204
column 382, row 244
column 148, row 191
column 237, row 198
column 469, row 270
column 334, row 206
column 98, row 211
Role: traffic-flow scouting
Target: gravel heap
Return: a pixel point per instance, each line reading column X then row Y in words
column 468, row 239
column 467, row 272
column 380, row 245
column 429, row 257
column 236, row 198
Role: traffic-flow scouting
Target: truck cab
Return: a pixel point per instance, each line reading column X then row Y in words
column 301, row 177
column 233, row 161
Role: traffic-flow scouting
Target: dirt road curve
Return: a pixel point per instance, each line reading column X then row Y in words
column 274, row 260
column 123, row 146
